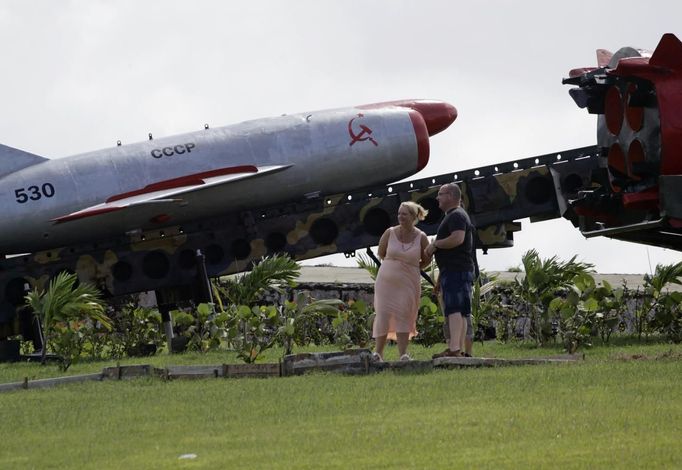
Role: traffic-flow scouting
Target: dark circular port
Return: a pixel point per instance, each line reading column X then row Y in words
column 572, row 183
column 187, row 259
column 14, row 291
column 241, row 248
column 122, row 271
column 324, row 231
column 376, row 221
column 275, row 242
column 214, row 254
column 155, row 265
column 539, row 190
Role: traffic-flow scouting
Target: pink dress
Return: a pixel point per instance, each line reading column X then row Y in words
column 397, row 290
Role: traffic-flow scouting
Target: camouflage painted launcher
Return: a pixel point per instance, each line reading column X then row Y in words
column 495, row 196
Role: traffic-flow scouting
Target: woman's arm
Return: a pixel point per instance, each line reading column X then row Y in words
column 426, row 257
column 383, row 243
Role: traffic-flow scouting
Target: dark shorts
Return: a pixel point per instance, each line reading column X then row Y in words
column 456, row 288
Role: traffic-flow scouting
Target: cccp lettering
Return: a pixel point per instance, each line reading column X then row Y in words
column 174, row 150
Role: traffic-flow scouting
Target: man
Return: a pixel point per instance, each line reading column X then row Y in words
column 453, row 248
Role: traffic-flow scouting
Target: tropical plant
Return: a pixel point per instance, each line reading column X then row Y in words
column 202, row 331
column 137, row 330
column 429, row 322
column 64, row 303
column 505, row 316
column 252, row 330
column 269, row 273
column 352, row 325
column 99, row 342
column 577, row 311
column 369, row 265
column 587, row 308
column 539, row 285
column 67, row 339
column 484, row 303
column 668, row 317
column 612, row 306
column 307, row 321
column 658, row 305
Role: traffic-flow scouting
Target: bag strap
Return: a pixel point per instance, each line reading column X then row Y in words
column 474, row 236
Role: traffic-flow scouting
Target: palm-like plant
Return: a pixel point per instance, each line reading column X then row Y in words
column 368, row 265
column 483, row 302
column 64, row 301
column 654, row 299
column 663, row 275
column 304, row 318
column 541, row 281
column 267, row 274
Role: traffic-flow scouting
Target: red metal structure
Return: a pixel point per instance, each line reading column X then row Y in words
column 638, row 97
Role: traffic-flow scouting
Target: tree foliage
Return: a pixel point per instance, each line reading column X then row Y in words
column 269, row 273
column 66, row 307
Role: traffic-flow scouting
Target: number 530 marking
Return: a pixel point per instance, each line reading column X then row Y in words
column 34, row 193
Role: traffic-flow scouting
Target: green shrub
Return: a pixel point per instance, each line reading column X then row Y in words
column 352, row 325
column 205, row 330
column 252, row 330
column 429, row 323
column 308, row 321
column 668, row 316
column 137, row 331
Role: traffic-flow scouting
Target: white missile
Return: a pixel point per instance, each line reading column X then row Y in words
column 50, row 203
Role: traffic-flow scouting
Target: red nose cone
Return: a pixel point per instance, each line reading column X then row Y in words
column 429, row 117
column 437, row 115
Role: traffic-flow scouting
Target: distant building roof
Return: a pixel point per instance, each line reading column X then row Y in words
column 334, row 274
column 349, row 275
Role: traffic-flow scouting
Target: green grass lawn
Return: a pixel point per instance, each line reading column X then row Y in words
column 621, row 407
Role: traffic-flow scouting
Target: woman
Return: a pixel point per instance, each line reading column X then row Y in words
column 398, row 288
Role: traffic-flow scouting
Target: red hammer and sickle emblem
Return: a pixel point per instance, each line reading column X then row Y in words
column 364, row 134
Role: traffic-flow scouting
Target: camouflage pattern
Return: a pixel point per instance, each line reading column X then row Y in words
column 165, row 260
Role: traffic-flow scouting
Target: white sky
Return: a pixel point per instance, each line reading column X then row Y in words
column 79, row 75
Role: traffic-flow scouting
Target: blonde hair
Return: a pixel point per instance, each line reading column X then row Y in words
column 417, row 211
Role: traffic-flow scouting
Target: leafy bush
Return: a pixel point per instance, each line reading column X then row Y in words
column 485, row 302
column 612, row 305
column 308, row 321
column 655, row 302
column 576, row 312
column 429, row 323
column 252, row 330
column 137, row 331
column 352, row 325
column 205, row 330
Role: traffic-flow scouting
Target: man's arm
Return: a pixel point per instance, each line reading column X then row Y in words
column 456, row 238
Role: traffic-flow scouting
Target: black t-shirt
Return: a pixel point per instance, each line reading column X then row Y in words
column 459, row 258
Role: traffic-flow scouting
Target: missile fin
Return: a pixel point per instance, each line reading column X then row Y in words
column 12, row 159
column 668, row 53
column 170, row 191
